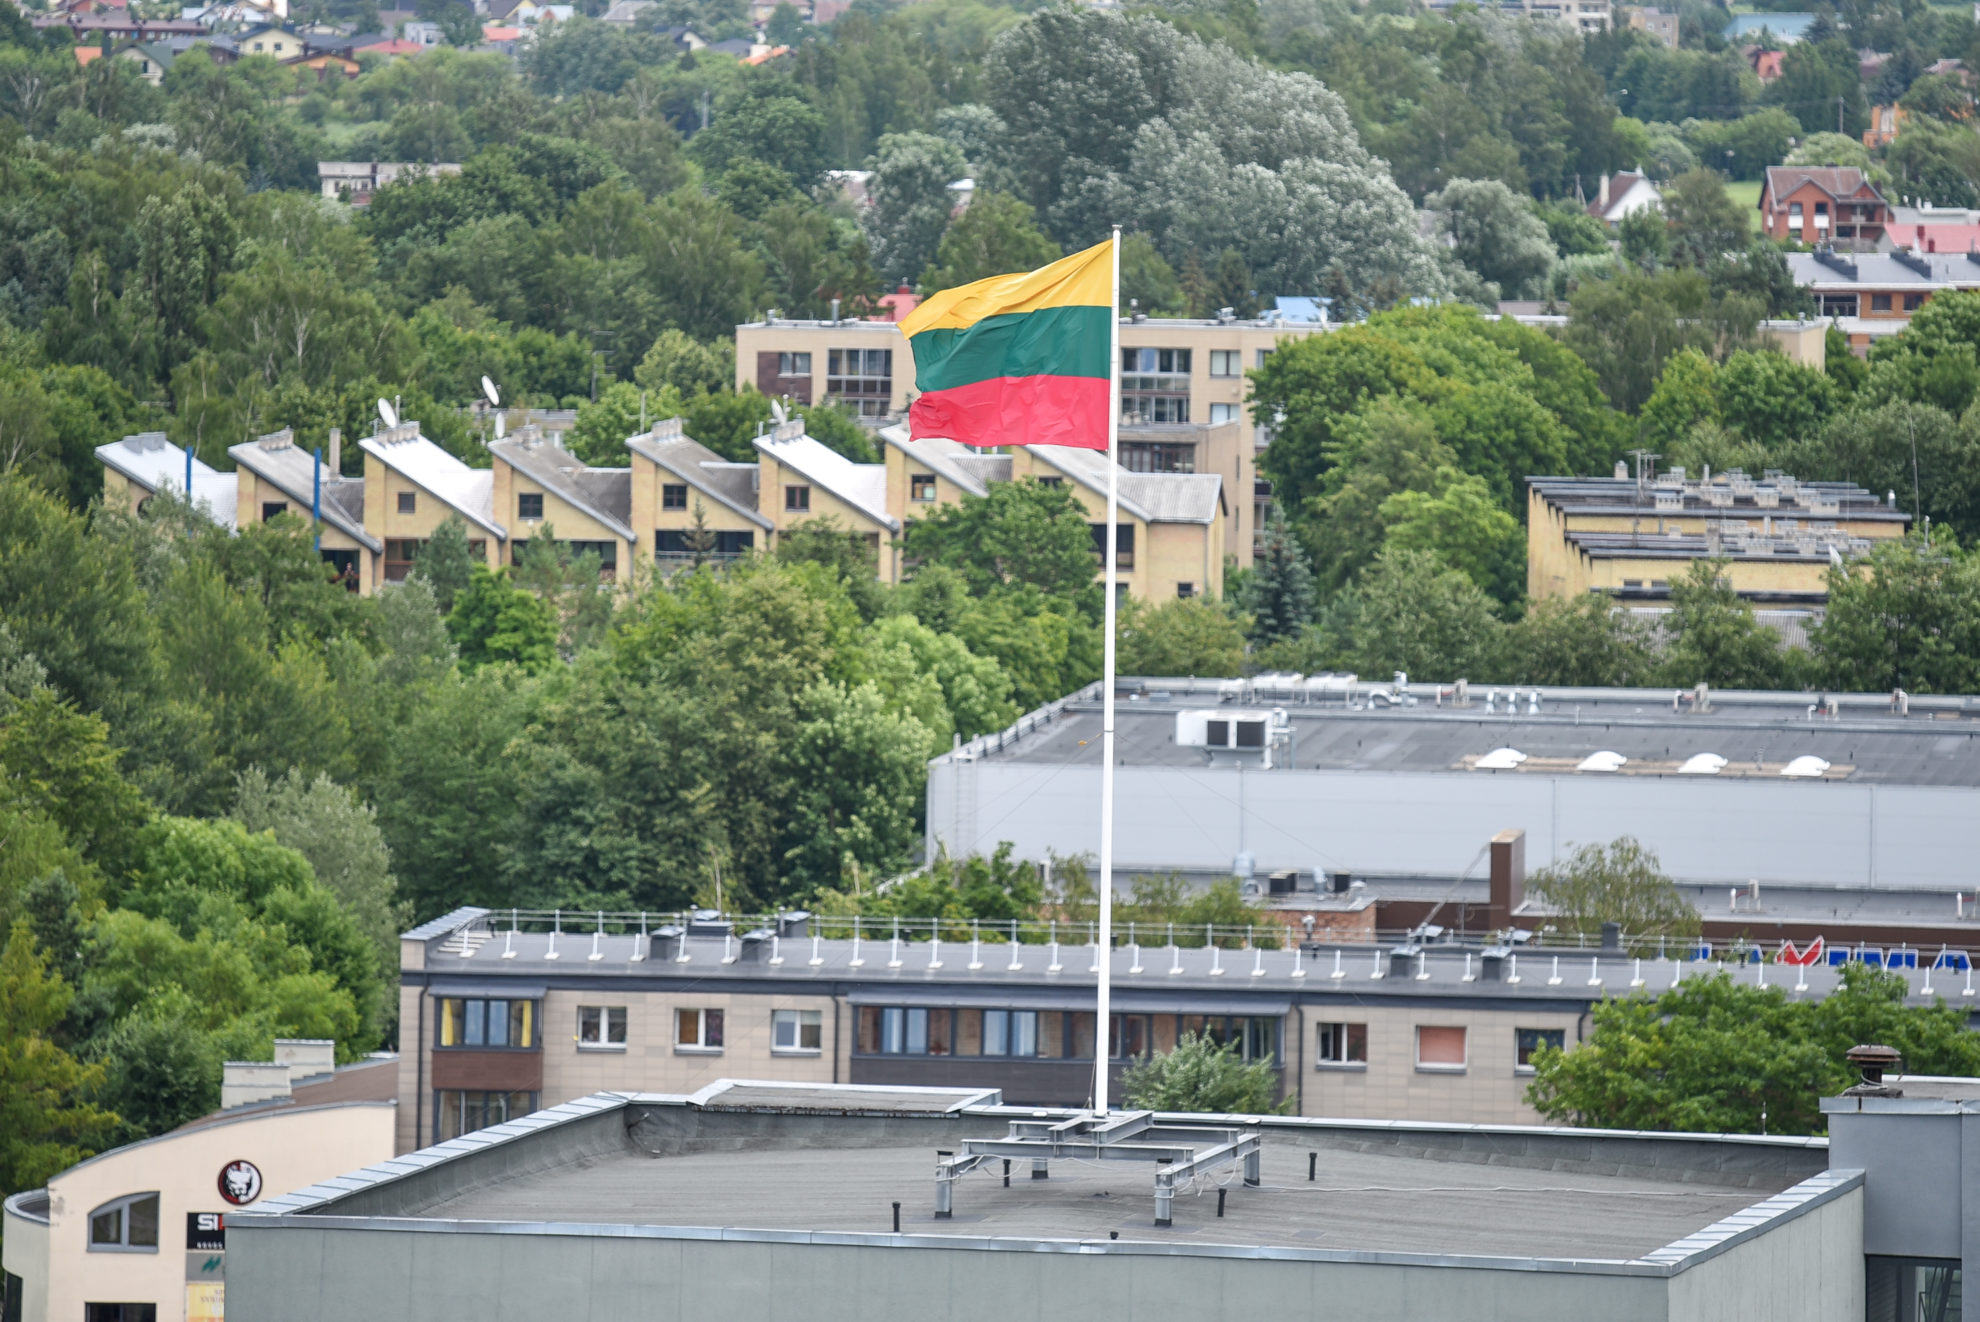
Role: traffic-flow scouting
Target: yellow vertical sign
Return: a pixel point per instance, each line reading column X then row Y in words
column 205, row 1301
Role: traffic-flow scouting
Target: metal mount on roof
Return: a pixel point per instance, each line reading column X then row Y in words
column 1181, row 1152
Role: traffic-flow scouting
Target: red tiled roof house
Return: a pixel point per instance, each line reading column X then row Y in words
column 1822, row 204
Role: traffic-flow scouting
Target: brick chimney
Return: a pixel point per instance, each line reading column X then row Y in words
column 1508, row 886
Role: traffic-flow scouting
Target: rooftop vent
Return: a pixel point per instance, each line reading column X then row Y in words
column 1835, row 262
column 667, row 429
column 1702, row 764
column 1602, row 761
column 1501, row 759
column 1806, row 766
column 277, row 440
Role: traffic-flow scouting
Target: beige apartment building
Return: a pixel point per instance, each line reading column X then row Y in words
column 500, row 1022
column 1631, row 538
column 1182, row 388
column 677, row 503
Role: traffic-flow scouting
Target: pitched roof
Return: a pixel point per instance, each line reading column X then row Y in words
column 1150, row 497
column 863, row 486
column 732, row 486
column 276, row 460
column 470, row 492
column 603, row 493
column 1838, row 181
column 395, row 46
column 968, row 468
column 154, row 463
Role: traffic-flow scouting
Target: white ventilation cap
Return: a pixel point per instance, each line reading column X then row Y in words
column 1501, row 759
column 1805, row 765
column 1602, row 761
column 1702, row 764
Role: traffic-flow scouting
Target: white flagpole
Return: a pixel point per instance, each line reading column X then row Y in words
column 1103, row 1038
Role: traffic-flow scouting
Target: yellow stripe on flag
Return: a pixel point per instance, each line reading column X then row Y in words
column 1085, row 279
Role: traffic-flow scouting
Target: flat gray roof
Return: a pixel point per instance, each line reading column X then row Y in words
column 1867, row 743
column 1377, row 1201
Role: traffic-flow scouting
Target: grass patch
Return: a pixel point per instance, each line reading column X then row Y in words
column 1746, row 196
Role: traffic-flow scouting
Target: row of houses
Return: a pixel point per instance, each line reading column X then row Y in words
column 675, row 503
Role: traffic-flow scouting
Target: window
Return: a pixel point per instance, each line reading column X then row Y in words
column 921, row 487
column 473, row 1022
column 408, row 502
column 125, row 1225
column 400, row 552
column 1155, row 385
column 796, row 1030
column 1158, row 456
column 1223, row 413
column 272, row 508
column 1185, row 589
column 1226, row 362
column 861, row 379
column 602, row 1027
column 1529, row 1040
column 1263, row 354
column 1913, row 302
column 1880, row 302
column 797, row 499
column 529, row 505
column 697, row 1030
column 1911, row 1289
column 1838, row 305
column 1123, row 544
column 679, row 544
column 673, row 495
column 794, row 364
column 1340, row 1044
column 456, row 1113
column 1132, row 1034
column 1054, row 483
column 1010, row 1032
column 1440, row 1050
column 120, row 1313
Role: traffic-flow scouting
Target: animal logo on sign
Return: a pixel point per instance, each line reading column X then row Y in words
column 240, row 1182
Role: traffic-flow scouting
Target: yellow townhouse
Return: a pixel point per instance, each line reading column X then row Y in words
column 411, row 487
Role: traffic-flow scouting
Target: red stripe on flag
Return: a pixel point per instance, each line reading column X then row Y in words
column 1017, row 410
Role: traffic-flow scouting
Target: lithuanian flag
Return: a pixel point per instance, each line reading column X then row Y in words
column 1018, row 359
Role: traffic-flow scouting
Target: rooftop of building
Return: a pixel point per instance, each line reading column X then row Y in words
column 151, row 461
column 295, row 472
column 862, row 486
column 470, row 492
column 832, row 1162
column 1340, row 722
column 1891, row 270
column 728, row 484
column 476, row 953
column 1773, row 498
column 603, row 493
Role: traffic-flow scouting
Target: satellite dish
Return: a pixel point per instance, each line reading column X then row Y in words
column 778, row 411
column 501, row 424
column 388, row 413
column 488, row 389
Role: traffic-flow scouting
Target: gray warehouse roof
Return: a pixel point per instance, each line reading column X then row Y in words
column 1867, row 742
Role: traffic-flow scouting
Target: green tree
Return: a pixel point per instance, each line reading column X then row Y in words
column 1714, row 637
column 1625, row 328
column 995, row 236
column 1685, row 395
column 339, row 836
column 1202, row 1078
column 685, row 363
column 1187, row 636
column 1410, row 612
column 1645, row 237
column 162, row 1067
column 494, row 621
column 1584, row 641
column 1278, row 594
column 1495, row 233
column 1906, row 616
column 1022, row 534
column 1773, row 401
column 1622, row 883
column 1459, row 523
column 911, row 200
column 857, row 770
column 47, row 1123
column 1147, row 281
column 447, row 562
column 1716, row 1055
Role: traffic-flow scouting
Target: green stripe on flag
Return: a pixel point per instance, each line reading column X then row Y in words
column 1068, row 341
